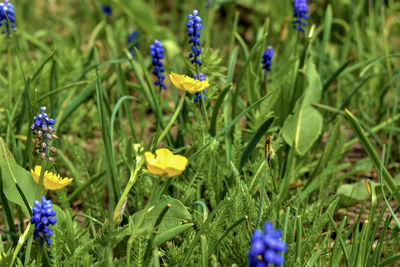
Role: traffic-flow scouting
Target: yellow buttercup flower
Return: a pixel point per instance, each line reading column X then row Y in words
column 185, row 83
column 51, row 181
column 164, row 162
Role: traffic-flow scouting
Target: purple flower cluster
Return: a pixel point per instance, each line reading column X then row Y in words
column 198, row 95
column 193, row 26
column 7, row 13
column 43, row 216
column 157, row 52
column 300, row 9
column 267, row 58
column 266, row 247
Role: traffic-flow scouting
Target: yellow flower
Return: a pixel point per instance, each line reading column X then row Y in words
column 185, row 83
column 51, row 181
column 164, row 162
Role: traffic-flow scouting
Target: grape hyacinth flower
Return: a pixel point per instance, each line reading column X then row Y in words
column 44, row 131
column 43, row 216
column 198, row 94
column 193, row 26
column 106, row 10
column 7, row 14
column 266, row 247
column 133, row 41
column 300, row 9
column 267, row 58
column 157, row 52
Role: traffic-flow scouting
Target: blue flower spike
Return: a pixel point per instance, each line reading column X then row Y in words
column 157, row 52
column 267, row 58
column 7, row 14
column 266, row 247
column 194, row 26
column 107, row 10
column 198, row 95
column 43, row 216
column 43, row 129
column 300, row 10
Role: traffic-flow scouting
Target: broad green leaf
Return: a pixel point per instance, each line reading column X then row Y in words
column 353, row 193
column 176, row 215
column 302, row 128
column 171, row 233
column 314, row 85
column 13, row 174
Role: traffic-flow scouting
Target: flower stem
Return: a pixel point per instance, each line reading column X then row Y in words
column 173, row 119
column 201, row 100
column 42, row 170
column 261, row 201
column 21, row 242
column 117, row 216
column 140, row 222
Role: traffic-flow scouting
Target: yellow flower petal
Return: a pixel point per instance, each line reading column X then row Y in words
column 177, row 164
column 176, row 80
column 164, row 162
column 51, row 181
column 183, row 82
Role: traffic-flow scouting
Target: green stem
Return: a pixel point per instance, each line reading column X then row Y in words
column 173, row 119
column 201, row 101
column 141, row 220
column 21, row 242
column 118, row 211
column 42, row 171
column 261, row 201
column 39, row 257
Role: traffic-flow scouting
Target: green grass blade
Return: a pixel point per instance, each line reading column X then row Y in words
column 236, row 119
column 261, row 130
column 373, row 155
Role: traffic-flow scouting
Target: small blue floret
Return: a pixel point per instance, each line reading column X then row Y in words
column 300, row 10
column 106, row 10
column 266, row 247
column 267, row 58
column 7, row 14
column 198, row 95
column 157, row 52
column 43, row 216
column 193, row 26
column 42, row 122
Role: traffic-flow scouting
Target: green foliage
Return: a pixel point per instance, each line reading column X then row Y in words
column 330, row 104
